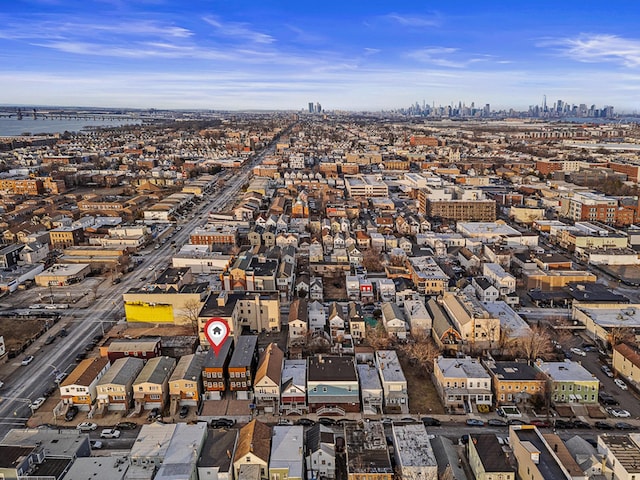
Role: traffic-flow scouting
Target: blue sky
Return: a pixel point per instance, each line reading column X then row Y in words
column 350, row 55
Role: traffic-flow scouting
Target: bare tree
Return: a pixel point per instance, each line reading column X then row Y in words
column 190, row 313
column 421, row 352
column 618, row 335
column 537, row 343
column 372, row 260
column 377, row 337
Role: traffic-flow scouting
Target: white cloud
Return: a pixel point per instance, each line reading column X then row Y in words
column 597, row 48
column 416, row 21
column 237, row 30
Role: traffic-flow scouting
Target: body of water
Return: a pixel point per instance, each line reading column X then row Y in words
column 11, row 127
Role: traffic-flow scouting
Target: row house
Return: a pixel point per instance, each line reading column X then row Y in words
column 115, row 388
column 463, row 384
column 394, row 383
column 357, row 325
column 317, row 316
column 185, row 385
column 293, row 396
column 242, row 366
column 371, row 393
column 427, row 276
column 417, row 317
column 386, row 288
column 251, row 458
column 298, row 321
column 151, row 387
column 215, row 371
column 79, row 388
column 286, row 461
column 332, row 385
column 394, row 321
column 337, row 321
column 143, row 348
column 515, row 382
column 215, row 461
column 320, row 443
column 266, row 390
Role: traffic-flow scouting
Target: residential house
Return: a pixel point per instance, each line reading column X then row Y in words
column 393, row 320
column 515, row 382
column 570, row 382
column 151, row 386
column 316, row 289
column 266, row 386
column 115, row 389
column 337, row 321
column 367, row 452
column 386, row 289
column 215, row 371
column 80, row 387
column 185, row 383
column 471, row 319
column 317, row 316
column 183, row 452
column 487, row 458
column 413, row 453
column 254, row 447
column 302, row 285
column 298, row 321
column 443, row 332
column 242, row 366
column 287, row 455
column 463, row 384
column 503, row 281
column 621, row 456
column 626, row 362
column 535, row 458
column 484, row 289
column 352, row 285
column 293, row 396
column 320, row 443
column 332, row 385
column 371, row 392
column 144, row 348
column 394, row 383
column 418, row 318
column 217, row 453
column 357, row 327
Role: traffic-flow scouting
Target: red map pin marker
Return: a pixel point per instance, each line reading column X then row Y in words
column 216, row 330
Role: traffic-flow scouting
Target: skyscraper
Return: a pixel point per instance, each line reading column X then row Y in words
column 310, row 107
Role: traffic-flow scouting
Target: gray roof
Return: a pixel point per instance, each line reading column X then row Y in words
column 215, row 452
column 245, row 351
column 123, row 371
column 156, row 370
column 211, row 360
column 188, row 367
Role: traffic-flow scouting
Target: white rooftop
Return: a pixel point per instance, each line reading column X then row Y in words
column 566, row 371
column 286, row 449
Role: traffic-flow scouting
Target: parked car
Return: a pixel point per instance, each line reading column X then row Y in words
column 607, row 399
column 624, row 426
column 515, row 421
column 540, row 423
column 71, row 413
column 27, row 360
column 154, row 414
column 37, row 403
column 81, row 356
column 474, row 422
column 61, row 376
column 87, row 426
column 578, row 351
column 50, row 339
column 430, row 422
column 63, row 333
column 110, row 433
column 603, row 426
column 619, row 413
column 96, row 444
column 184, row 411
column 496, row 422
column 326, row 421
column 563, row 424
column 307, row 422
column 581, row 424
column 607, row 371
column 620, row 383
column 126, row 426
column 285, row 421
column 222, row 423
column 50, row 391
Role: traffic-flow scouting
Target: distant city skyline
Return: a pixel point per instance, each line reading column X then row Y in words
column 346, row 56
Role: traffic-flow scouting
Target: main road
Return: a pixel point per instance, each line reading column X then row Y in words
column 26, row 383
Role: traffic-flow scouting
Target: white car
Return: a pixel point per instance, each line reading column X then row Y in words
column 87, row 426
column 37, row 403
column 620, row 384
column 577, row 351
column 619, row 413
column 60, row 377
column 110, row 433
column 27, row 360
